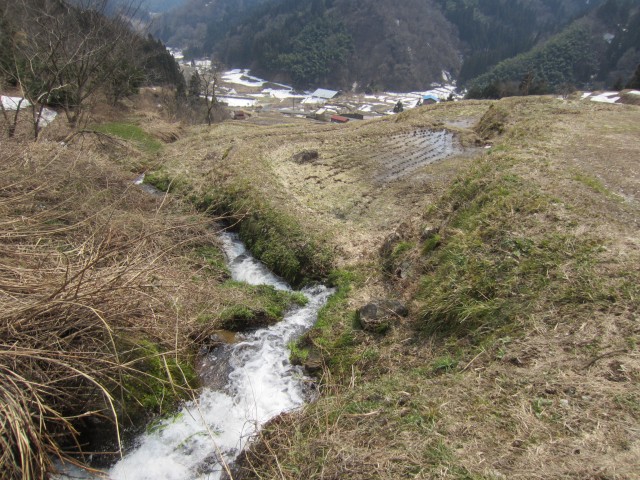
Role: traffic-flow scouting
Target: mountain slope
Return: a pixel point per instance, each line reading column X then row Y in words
column 598, row 50
column 493, row 30
column 385, row 44
column 380, row 44
column 196, row 23
column 393, row 45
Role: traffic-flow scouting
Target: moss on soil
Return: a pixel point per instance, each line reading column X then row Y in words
column 131, row 133
column 157, row 383
column 266, row 306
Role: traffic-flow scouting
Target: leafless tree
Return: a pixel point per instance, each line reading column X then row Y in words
column 202, row 96
column 63, row 52
column 209, row 82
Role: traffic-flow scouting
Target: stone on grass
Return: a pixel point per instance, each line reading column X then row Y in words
column 305, row 156
column 380, row 315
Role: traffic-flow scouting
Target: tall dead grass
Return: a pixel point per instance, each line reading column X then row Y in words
column 79, row 270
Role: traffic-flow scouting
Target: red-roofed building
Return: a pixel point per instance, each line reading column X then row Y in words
column 338, row 119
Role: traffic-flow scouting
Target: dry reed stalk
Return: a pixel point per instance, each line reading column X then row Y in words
column 76, row 278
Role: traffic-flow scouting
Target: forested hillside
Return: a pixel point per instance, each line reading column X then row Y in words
column 491, row 46
column 196, row 25
column 492, row 30
column 599, row 50
column 367, row 44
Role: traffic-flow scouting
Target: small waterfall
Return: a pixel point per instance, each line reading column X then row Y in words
column 212, row 430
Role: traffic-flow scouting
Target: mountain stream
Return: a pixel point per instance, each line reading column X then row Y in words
column 213, row 430
column 245, row 384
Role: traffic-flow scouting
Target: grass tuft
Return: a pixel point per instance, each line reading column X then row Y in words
column 131, row 133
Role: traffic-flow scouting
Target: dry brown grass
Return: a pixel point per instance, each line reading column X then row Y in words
column 89, row 266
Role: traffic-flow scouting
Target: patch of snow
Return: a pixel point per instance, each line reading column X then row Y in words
column 47, row 117
column 313, row 101
column 176, row 53
column 605, row 98
column 242, row 77
column 203, row 63
column 280, row 93
column 608, row 37
column 585, row 95
column 633, row 92
column 11, row 103
column 238, row 101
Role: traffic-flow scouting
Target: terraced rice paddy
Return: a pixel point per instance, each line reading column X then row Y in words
column 403, row 154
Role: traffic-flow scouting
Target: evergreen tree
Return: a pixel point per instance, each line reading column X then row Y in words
column 195, row 85
column 634, row 82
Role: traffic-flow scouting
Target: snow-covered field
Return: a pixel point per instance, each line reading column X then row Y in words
column 242, row 77
column 608, row 97
column 242, row 102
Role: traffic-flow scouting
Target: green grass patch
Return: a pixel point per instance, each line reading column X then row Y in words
column 394, row 254
column 593, row 183
column 486, row 277
column 165, row 182
column 297, row 353
column 261, row 305
column 157, row 382
column 212, row 261
column 131, row 133
column 333, row 334
column 443, row 364
column 431, row 244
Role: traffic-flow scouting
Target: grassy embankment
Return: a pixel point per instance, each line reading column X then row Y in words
column 107, row 292
column 520, row 356
column 213, row 185
column 87, row 343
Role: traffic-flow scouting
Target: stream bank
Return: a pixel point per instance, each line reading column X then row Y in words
column 274, row 237
column 208, row 433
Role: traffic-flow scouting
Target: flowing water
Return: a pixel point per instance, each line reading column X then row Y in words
column 261, row 384
column 258, row 383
